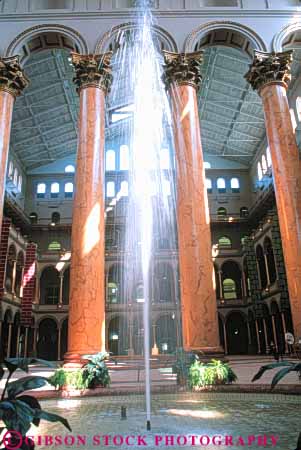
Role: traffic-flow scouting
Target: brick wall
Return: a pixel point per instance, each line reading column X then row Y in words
column 28, row 283
column 6, row 223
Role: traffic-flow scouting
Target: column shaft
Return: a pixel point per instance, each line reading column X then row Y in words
column 199, row 308
column 87, row 295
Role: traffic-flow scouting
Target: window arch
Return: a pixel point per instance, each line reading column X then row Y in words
column 164, row 159
column 110, row 160
column 232, row 280
column 20, row 180
column 261, row 267
column 55, row 218
column 10, row 169
column 110, row 189
column 224, row 242
column 207, row 165
column 114, row 290
column 164, row 283
column 264, row 164
column 54, row 246
column 259, row 171
column 68, row 190
column 124, row 158
column 235, row 185
column 124, row 189
column 49, row 286
column 209, row 185
column 221, row 213
column 244, row 212
column 221, row 185
column 54, row 190
column 41, row 190
column 269, row 158
column 70, row 168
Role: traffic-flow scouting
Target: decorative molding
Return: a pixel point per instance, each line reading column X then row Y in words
column 16, row 45
column 197, row 34
column 12, row 78
column 112, row 36
column 270, row 68
column 183, row 68
column 279, row 38
column 92, row 70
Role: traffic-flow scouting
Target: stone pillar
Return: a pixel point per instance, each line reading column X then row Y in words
column 155, row 350
column 267, row 269
column 221, row 292
column 285, row 331
column 10, row 325
column 225, row 337
column 28, row 283
column 18, row 342
column 14, row 277
column 35, row 340
column 198, row 299
column 257, row 337
column 61, row 277
column 274, row 333
column 86, row 334
column 270, row 75
column 267, row 345
column 59, row 338
column 6, row 223
column 12, row 83
column 26, row 342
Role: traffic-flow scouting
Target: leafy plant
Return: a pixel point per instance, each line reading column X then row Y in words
column 17, row 411
column 288, row 367
column 95, row 372
column 209, row 374
column 183, row 362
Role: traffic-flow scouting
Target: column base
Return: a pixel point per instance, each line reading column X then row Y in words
column 155, row 351
column 131, row 352
column 206, row 352
column 74, row 360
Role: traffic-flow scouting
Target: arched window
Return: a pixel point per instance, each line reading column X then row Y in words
column 235, row 185
column 232, row 280
column 221, row 185
column 124, row 189
column 259, row 171
column 55, row 218
column 49, row 286
column 15, row 180
column 268, row 248
column 68, row 190
column 20, row 183
column 164, row 284
column 209, row 185
column 70, row 168
column 54, row 190
column 110, row 189
column 54, row 246
column 244, row 212
column 229, row 289
column 139, row 293
column 207, row 165
column 33, row 217
column 124, row 158
column 41, row 190
column 115, row 284
column 269, row 158
column 164, row 159
column 110, row 160
column 224, row 242
column 261, row 267
column 264, row 164
column 10, row 169
column 221, row 213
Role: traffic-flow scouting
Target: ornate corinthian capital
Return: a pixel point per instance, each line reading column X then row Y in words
column 92, row 70
column 270, row 68
column 183, row 68
column 12, row 77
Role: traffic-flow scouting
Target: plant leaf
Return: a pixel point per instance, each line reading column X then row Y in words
column 25, row 384
column 13, row 364
column 50, row 417
column 279, row 375
column 33, row 403
column 263, row 369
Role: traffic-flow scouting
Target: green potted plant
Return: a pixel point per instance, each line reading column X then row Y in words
column 18, row 412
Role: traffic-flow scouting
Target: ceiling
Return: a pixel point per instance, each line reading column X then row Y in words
column 45, row 116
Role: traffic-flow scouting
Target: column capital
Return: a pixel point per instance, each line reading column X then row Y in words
column 92, row 70
column 12, row 77
column 270, row 68
column 183, row 68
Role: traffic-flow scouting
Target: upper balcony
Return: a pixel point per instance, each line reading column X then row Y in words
column 36, row 6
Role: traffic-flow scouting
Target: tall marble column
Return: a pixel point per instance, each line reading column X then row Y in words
column 182, row 78
column 270, row 75
column 86, row 333
column 12, row 83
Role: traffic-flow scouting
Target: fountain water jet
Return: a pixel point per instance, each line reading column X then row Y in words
column 138, row 67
